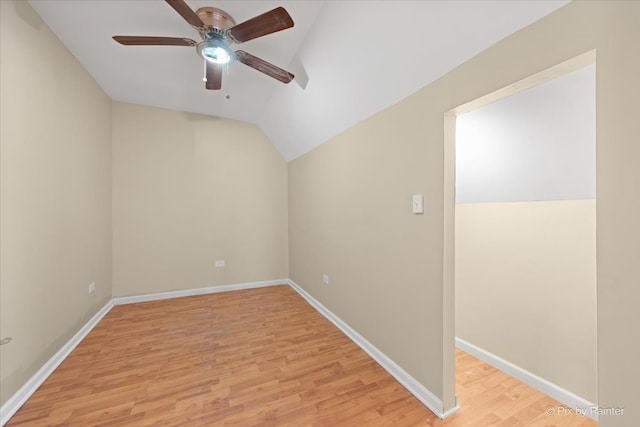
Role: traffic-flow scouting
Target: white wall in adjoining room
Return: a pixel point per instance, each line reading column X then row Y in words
column 525, row 266
column 535, row 145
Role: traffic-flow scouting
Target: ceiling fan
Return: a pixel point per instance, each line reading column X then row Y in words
column 218, row 31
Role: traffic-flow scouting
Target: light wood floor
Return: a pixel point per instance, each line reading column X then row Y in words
column 260, row 357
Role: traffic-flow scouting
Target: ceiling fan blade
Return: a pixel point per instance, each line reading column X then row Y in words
column 153, row 41
column 186, row 12
column 270, row 22
column 263, row 66
column 214, row 76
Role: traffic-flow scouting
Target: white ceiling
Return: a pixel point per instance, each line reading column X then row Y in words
column 351, row 58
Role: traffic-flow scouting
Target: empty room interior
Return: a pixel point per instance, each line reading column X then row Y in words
column 319, row 213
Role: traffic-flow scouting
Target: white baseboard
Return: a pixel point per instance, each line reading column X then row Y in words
column 14, row 403
column 197, row 291
column 423, row 394
column 550, row 389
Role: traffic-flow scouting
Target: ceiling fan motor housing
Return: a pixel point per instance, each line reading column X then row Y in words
column 216, row 20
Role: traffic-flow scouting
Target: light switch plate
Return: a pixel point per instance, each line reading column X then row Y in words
column 418, row 204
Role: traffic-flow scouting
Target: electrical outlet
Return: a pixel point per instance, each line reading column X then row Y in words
column 325, row 279
column 219, row 263
column 92, row 287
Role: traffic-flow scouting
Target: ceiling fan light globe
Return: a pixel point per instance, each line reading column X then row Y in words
column 215, row 51
column 216, row 54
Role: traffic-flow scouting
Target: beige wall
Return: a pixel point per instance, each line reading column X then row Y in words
column 350, row 201
column 526, row 287
column 55, row 195
column 190, row 189
column 350, row 218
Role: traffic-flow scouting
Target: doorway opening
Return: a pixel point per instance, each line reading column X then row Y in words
column 520, row 264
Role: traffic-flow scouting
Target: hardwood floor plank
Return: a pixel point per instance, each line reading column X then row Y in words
column 260, row 357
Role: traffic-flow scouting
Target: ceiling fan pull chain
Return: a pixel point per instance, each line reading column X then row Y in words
column 204, row 76
column 226, row 79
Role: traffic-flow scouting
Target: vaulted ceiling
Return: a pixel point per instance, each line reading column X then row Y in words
column 351, row 58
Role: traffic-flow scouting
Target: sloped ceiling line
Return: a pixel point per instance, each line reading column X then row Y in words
column 355, row 54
